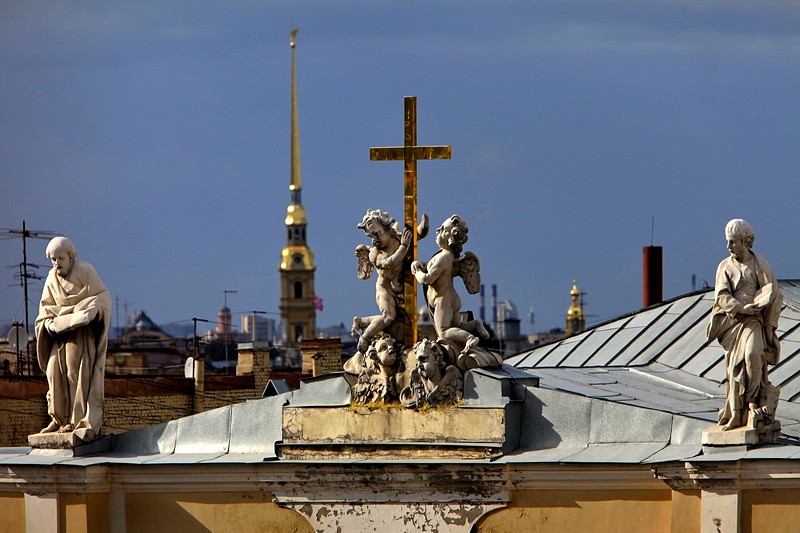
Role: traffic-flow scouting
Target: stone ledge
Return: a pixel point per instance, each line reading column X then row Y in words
column 363, row 425
column 326, row 433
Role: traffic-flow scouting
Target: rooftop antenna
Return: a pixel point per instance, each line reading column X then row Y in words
column 25, row 234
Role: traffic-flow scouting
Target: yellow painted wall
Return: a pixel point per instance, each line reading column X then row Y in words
column 12, row 512
column 770, row 510
column 685, row 511
column 84, row 513
column 631, row 511
column 210, row 512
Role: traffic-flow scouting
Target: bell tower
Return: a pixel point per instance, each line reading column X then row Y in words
column 576, row 322
column 298, row 314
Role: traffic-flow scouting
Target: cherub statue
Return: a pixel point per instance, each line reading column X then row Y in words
column 389, row 248
column 443, row 300
column 432, row 381
column 377, row 382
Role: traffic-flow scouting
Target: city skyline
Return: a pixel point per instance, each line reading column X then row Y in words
column 156, row 137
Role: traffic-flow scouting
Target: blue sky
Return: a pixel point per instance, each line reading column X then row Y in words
column 156, row 136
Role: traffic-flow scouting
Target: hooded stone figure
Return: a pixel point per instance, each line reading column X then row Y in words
column 72, row 336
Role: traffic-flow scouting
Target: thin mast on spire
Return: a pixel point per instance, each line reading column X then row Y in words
column 296, row 183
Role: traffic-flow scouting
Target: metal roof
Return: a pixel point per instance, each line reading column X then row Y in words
column 659, row 358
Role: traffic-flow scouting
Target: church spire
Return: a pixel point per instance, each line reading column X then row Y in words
column 297, row 260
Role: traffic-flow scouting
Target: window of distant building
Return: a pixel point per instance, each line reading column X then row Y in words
column 298, row 289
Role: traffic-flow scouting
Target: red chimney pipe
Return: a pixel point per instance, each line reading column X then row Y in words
column 652, row 274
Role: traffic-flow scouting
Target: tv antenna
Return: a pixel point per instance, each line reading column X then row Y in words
column 24, row 275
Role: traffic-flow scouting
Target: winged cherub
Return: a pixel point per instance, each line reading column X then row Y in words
column 443, row 300
column 389, row 248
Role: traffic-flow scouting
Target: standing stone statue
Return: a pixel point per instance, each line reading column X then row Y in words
column 72, row 335
column 744, row 319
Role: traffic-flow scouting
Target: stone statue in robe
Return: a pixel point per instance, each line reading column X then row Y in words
column 744, row 319
column 72, row 336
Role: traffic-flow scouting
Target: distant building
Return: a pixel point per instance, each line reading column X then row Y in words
column 224, row 329
column 257, row 328
column 144, row 348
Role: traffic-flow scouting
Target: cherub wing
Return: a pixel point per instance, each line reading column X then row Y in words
column 449, row 390
column 468, row 266
column 365, row 266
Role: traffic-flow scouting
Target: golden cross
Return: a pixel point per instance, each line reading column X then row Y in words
column 409, row 153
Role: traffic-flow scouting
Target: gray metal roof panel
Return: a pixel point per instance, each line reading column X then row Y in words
column 561, row 351
column 554, row 419
column 791, row 292
column 644, row 348
column 186, row 458
column 256, row 425
column 686, row 347
column 552, row 455
column 716, row 372
column 117, row 458
column 788, row 410
column 615, row 453
column 656, row 385
column 675, row 452
column 788, row 367
column 705, row 359
column 769, row 451
column 150, row 440
column 589, row 347
column 240, row 458
column 614, row 351
column 617, row 423
column 207, row 432
column 579, row 375
column 662, row 402
column 720, row 456
column 664, row 347
column 561, row 381
column 682, row 379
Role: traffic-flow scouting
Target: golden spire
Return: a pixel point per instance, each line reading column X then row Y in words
column 296, row 255
column 575, row 319
column 295, row 184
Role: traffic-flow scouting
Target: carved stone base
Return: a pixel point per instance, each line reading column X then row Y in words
column 66, row 444
column 54, row 441
column 743, row 436
column 315, row 433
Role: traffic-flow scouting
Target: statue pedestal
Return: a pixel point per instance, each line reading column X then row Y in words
column 67, row 444
column 314, row 433
column 714, row 439
column 54, row 441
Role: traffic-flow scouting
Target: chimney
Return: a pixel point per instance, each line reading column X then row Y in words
column 652, row 275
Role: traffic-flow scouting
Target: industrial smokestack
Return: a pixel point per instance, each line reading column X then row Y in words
column 652, row 274
column 494, row 304
column 483, row 303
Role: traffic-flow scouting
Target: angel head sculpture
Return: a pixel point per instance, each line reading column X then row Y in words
column 434, row 380
column 377, row 382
